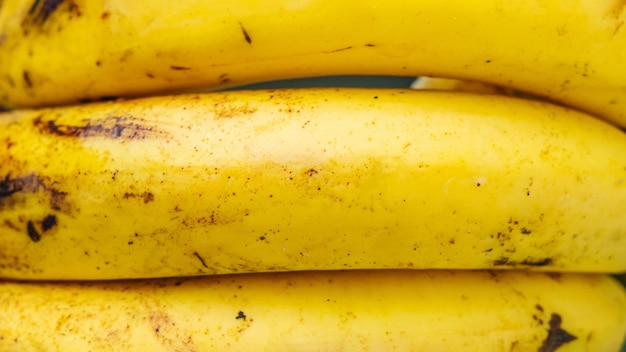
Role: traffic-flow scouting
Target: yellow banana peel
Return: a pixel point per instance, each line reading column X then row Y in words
column 319, row 311
column 59, row 52
column 309, row 179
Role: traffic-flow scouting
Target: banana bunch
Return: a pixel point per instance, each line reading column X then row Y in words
column 484, row 215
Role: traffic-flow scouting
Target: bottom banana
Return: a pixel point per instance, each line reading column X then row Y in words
column 319, row 311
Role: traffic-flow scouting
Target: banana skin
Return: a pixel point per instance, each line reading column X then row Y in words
column 384, row 310
column 308, row 179
column 58, row 52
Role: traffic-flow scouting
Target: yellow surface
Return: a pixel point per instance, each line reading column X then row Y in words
column 309, row 179
column 572, row 52
column 320, row 311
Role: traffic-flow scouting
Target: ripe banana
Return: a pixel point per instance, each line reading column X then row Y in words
column 308, row 179
column 459, row 85
column 319, row 311
column 54, row 52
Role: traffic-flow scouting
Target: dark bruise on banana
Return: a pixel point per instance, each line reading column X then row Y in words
column 41, row 10
column 15, row 186
column 556, row 335
column 12, row 190
column 117, row 127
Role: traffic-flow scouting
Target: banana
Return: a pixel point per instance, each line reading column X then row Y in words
column 319, row 311
column 308, row 179
column 59, row 52
column 459, row 85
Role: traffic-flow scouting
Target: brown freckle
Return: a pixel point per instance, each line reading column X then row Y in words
column 148, row 197
column 48, row 222
column 246, row 36
column 180, row 68
column 105, row 15
column 223, row 78
column 150, row 75
column 501, row 261
column 98, row 63
column 27, row 79
column 32, row 232
column 74, row 8
column 311, row 172
column 537, row 262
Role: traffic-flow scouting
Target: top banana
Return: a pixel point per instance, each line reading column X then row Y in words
column 55, row 52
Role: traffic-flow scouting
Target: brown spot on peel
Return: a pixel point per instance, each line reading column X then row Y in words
column 146, row 196
column 9, row 185
column 48, row 222
column 111, row 127
column 526, row 262
column 556, row 335
column 32, row 183
column 32, row 232
column 42, row 9
column 197, row 255
column 338, row 50
column 537, row 262
column 224, row 78
column 311, row 172
column 27, row 79
column 180, row 68
column 246, row 36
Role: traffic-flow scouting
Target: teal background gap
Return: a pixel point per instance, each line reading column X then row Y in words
column 357, row 81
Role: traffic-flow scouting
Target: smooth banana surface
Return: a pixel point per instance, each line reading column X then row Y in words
column 55, row 52
column 358, row 310
column 308, row 179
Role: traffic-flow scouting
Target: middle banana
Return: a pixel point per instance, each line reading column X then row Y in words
column 250, row 181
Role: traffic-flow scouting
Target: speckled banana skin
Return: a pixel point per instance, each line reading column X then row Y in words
column 320, row 311
column 58, row 52
column 308, row 179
